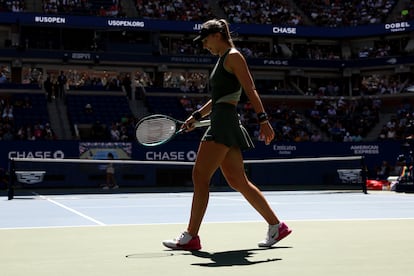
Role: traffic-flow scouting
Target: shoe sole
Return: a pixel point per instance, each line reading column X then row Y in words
column 183, row 248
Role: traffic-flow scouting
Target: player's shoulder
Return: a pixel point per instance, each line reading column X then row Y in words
column 235, row 57
column 234, row 51
column 235, row 54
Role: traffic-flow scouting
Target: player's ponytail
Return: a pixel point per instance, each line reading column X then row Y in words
column 226, row 31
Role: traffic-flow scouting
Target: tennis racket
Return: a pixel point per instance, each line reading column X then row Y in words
column 157, row 129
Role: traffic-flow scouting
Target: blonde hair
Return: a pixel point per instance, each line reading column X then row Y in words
column 222, row 26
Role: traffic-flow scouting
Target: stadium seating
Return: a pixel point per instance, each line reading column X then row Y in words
column 105, row 109
column 29, row 109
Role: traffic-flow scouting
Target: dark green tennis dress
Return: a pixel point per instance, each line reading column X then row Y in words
column 225, row 125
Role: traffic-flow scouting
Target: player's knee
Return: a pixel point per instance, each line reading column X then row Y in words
column 200, row 176
column 237, row 183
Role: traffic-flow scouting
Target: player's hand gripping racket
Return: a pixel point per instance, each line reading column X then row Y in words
column 158, row 129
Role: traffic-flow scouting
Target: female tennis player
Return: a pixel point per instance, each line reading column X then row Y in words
column 223, row 142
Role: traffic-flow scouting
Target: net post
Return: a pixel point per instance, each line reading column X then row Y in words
column 363, row 175
column 10, row 185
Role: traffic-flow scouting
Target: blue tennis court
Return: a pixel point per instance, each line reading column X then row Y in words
column 37, row 210
column 334, row 233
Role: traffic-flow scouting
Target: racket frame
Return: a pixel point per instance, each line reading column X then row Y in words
column 178, row 129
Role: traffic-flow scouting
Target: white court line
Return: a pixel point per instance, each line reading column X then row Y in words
column 207, row 222
column 70, row 209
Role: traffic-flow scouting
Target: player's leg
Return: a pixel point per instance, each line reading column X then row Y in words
column 233, row 170
column 209, row 157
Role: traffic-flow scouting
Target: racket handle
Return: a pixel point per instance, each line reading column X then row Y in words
column 196, row 124
column 202, row 123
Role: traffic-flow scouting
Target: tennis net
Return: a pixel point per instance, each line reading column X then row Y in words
column 69, row 175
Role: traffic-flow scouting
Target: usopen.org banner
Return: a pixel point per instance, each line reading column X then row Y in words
column 84, row 22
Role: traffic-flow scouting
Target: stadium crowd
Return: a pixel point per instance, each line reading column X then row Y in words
column 401, row 124
column 36, row 130
column 84, row 7
column 334, row 13
column 183, row 10
column 13, row 6
column 279, row 12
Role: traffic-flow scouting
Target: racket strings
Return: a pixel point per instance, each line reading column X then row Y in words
column 155, row 130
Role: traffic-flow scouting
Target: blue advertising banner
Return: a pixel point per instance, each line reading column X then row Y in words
column 36, row 19
column 61, row 175
column 208, row 60
column 37, row 149
column 374, row 152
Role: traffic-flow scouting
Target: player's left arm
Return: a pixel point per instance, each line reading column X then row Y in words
column 236, row 64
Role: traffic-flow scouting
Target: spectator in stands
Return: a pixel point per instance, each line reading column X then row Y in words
column 38, row 131
column 48, row 133
column 29, row 133
column 21, row 133
column 124, row 133
column 383, row 171
column 8, row 133
column 3, row 77
column 114, row 132
column 127, row 85
column 187, row 104
column 347, row 137
column 48, row 86
column 357, row 137
column 88, row 109
column 61, row 81
column 316, row 136
column 102, row 11
column 223, row 141
column 8, row 113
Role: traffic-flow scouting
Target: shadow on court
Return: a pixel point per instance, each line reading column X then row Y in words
column 215, row 259
column 232, row 258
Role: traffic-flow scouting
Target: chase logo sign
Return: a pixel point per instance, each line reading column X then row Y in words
column 30, row 177
column 284, row 30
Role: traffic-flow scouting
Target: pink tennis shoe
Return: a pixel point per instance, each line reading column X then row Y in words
column 275, row 233
column 184, row 242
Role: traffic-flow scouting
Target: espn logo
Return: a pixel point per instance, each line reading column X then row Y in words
column 30, row 177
